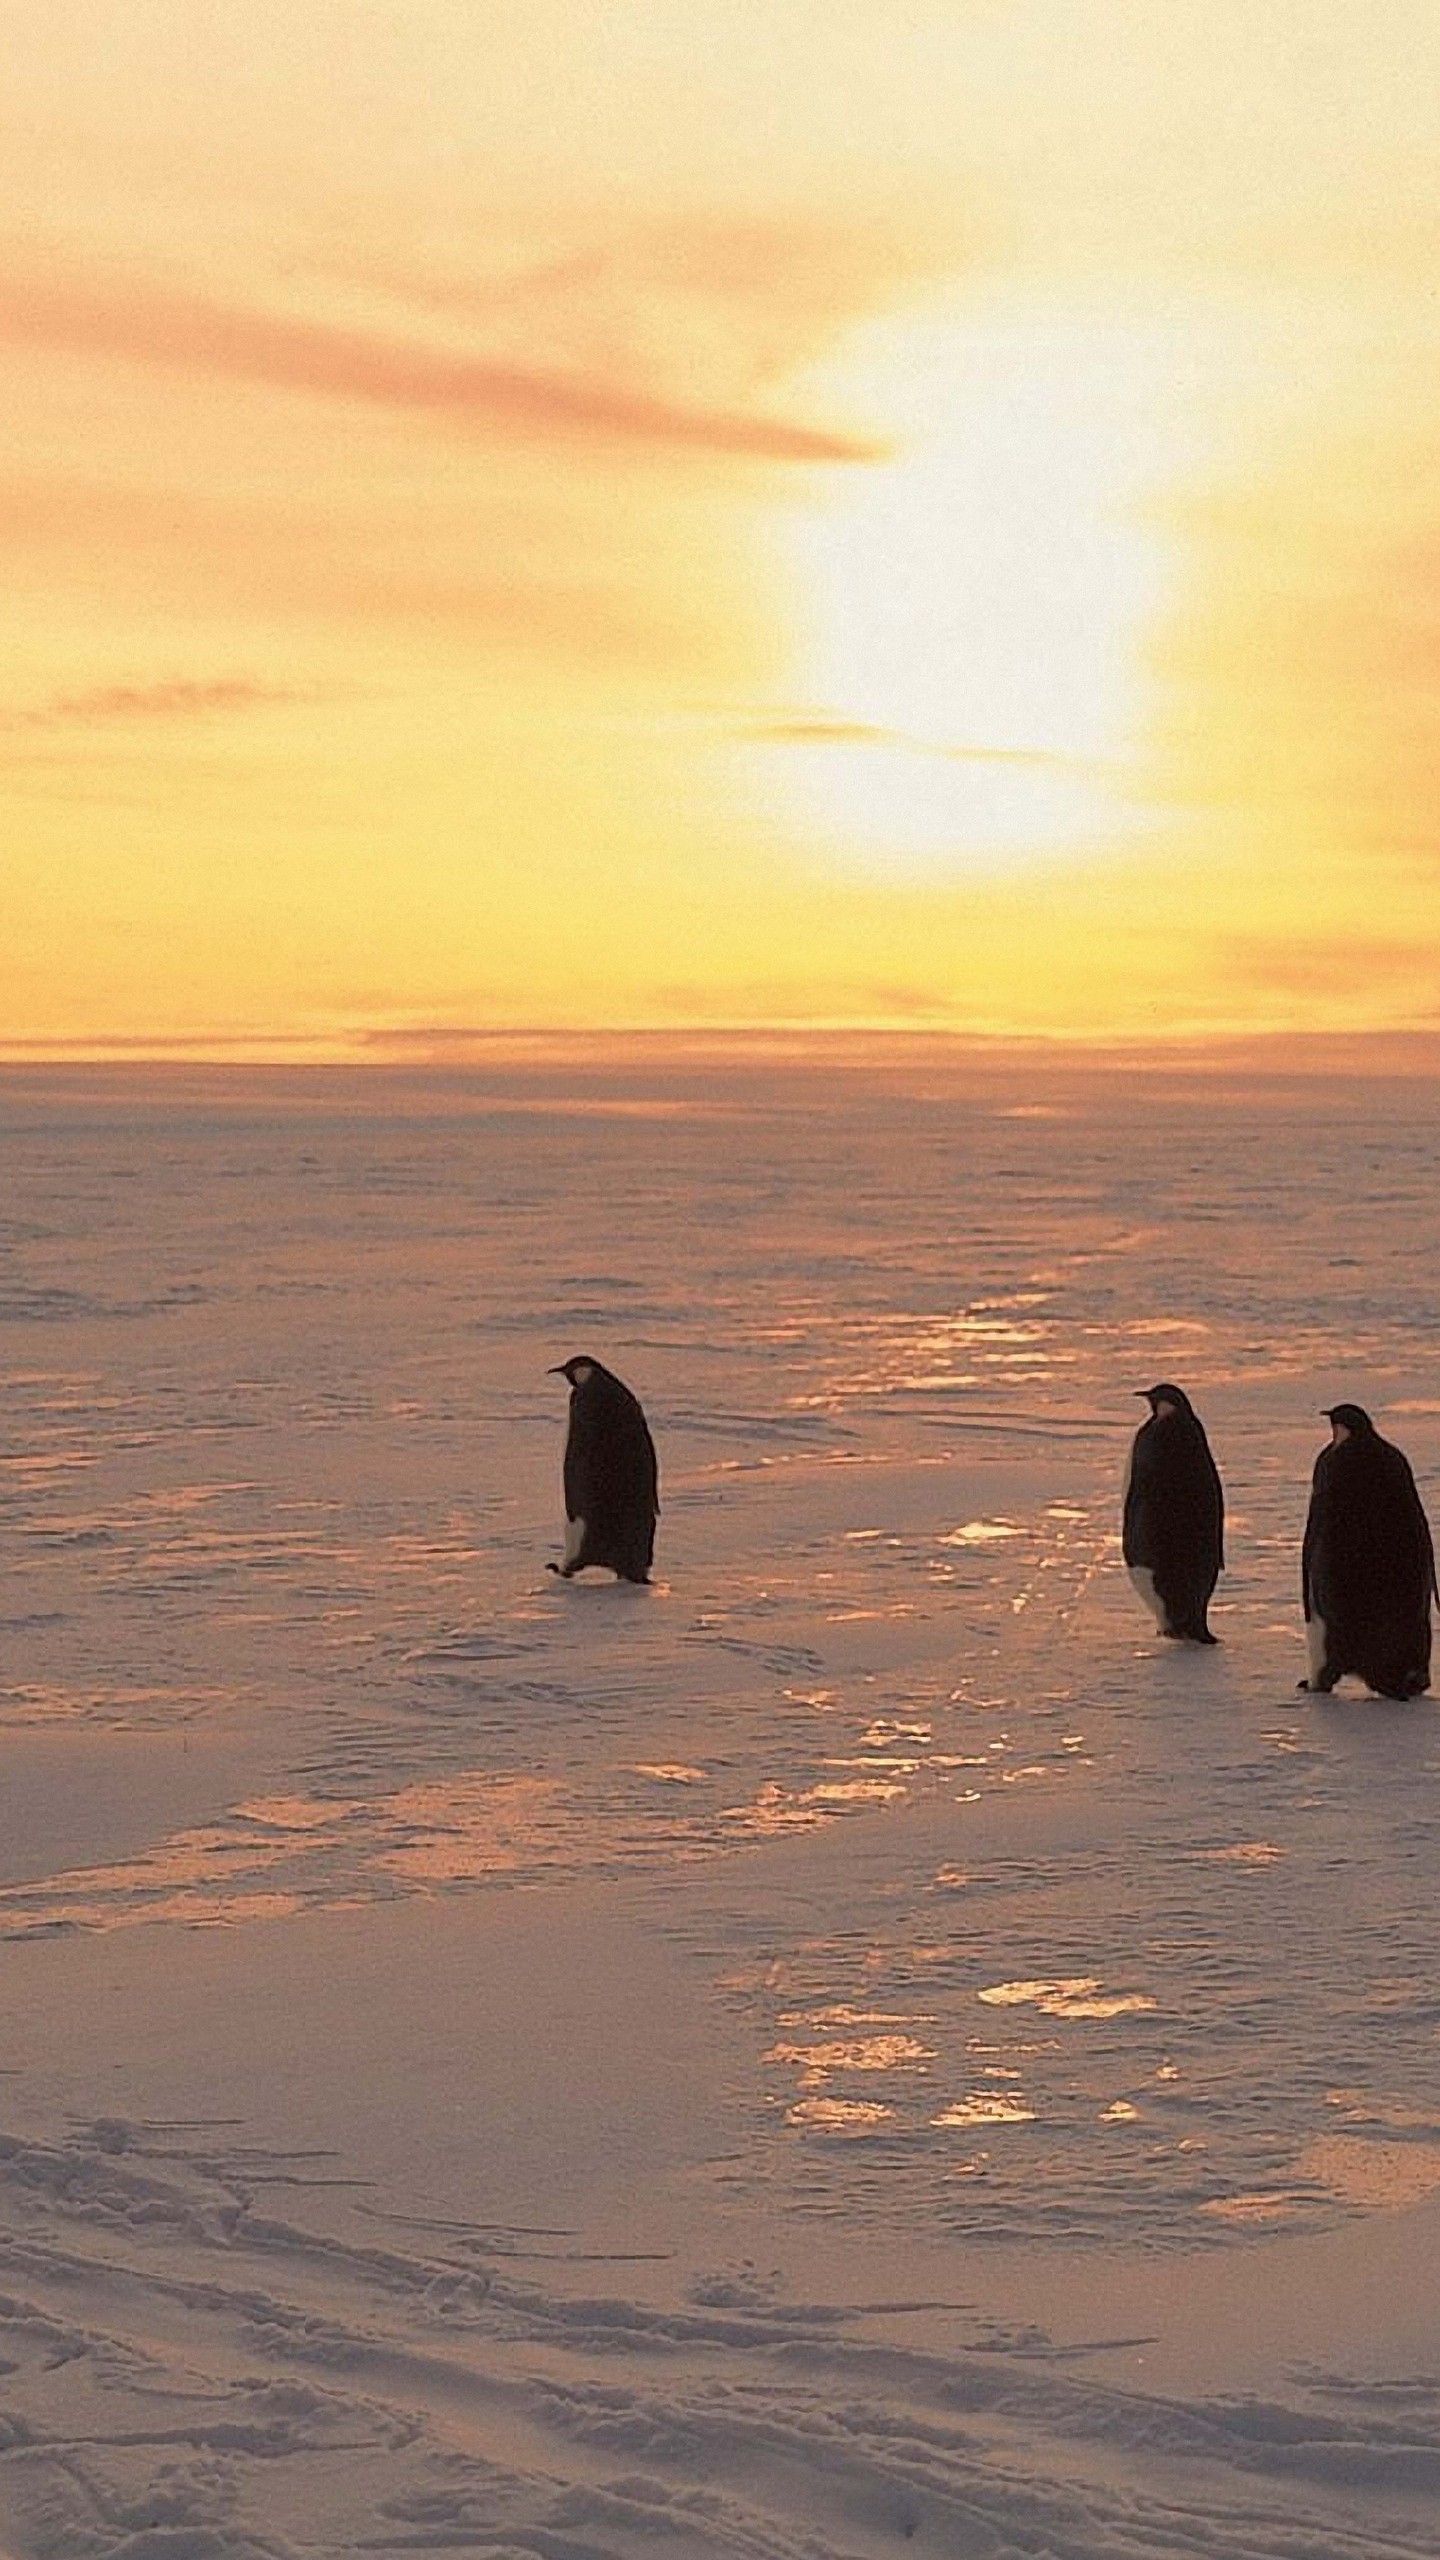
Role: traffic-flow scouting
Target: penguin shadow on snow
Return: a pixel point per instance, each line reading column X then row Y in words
column 620, row 1598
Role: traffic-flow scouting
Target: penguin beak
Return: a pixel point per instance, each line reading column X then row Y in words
column 556, row 1372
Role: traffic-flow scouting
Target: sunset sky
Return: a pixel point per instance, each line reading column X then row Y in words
column 533, row 512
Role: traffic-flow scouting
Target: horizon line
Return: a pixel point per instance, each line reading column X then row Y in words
column 1412, row 1048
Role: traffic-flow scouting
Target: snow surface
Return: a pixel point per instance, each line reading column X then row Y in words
column 858, row 2047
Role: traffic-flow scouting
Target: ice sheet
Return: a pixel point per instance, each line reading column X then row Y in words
column 858, row 2043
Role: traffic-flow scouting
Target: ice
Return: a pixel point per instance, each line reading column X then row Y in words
column 857, row 2044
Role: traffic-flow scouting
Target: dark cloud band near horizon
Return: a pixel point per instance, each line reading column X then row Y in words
column 142, row 322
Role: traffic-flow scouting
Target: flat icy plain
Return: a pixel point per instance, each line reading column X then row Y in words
column 857, row 2047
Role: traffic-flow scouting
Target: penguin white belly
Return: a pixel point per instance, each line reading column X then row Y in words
column 1144, row 1581
column 574, row 1541
column 1315, row 1646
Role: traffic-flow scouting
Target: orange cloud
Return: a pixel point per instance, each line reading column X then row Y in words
column 143, row 322
column 818, row 730
column 179, row 699
column 473, row 580
column 1336, row 967
column 696, row 308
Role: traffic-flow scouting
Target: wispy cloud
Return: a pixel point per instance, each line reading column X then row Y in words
column 703, row 312
column 142, row 321
column 470, row 573
column 819, row 729
column 1342, row 968
column 179, row 699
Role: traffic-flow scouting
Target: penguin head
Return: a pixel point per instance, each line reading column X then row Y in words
column 1166, row 1398
column 1345, row 1418
column 578, row 1370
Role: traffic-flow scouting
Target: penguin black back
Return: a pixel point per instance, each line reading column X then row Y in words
column 612, row 1480
column 1173, row 1531
column 1368, row 1563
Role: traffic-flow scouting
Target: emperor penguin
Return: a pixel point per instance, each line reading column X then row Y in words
column 1173, row 1531
column 1368, row 1564
column 612, row 1482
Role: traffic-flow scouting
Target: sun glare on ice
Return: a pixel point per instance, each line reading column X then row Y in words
column 976, row 611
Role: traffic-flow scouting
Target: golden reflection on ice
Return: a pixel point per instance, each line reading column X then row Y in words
column 118, row 1710
column 911, row 1354
column 467, row 1827
column 986, row 2106
column 190, row 1858
column 853, row 2116
column 900, row 1765
column 1394, row 2114
column 870, row 1617
column 1242, row 1853
column 818, row 2063
column 35, row 1472
column 777, row 1810
column 437, row 1832
column 842, row 2014
column 296, row 1813
column 1262, row 2206
column 980, row 1533
column 675, row 1773
column 223, row 1911
column 976, row 2047
column 1076, row 1996
column 194, row 1910
column 1370, row 2173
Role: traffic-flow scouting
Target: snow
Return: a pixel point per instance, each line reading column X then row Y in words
column 859, row 2046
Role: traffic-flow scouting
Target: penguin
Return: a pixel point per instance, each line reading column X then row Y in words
column 1367, row 1569
column 612, row 1484
column 1173, row 1531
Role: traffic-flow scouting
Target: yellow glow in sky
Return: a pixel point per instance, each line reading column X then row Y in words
column 978, row 608
column 551, row 515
